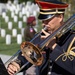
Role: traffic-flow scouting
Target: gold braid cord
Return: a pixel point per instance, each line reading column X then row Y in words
column 69, row 54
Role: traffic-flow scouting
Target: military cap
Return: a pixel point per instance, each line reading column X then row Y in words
column 49, row 8
column 30, row 19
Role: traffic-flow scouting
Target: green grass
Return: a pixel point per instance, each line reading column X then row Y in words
column 9, row 49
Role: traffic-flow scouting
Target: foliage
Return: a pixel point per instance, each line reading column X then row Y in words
column 20, row 1
column 3, row 1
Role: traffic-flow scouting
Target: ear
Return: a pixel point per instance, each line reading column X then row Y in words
column 61, row 17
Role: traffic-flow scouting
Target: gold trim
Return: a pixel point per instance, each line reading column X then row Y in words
column 51, row 8
column 72, row 53
column 51, row 12
column 69, row 54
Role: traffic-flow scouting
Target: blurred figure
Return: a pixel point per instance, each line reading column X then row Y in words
column 29, row 31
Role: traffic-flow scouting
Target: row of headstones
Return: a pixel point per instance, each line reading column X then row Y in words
column 15, row 17
column 19, row 25
column 20, row 13
column 8, row 39
column 22, row 9
column 14, row 32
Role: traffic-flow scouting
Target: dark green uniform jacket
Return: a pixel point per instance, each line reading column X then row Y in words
column 29, row 33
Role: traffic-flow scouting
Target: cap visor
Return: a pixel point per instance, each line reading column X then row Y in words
column 45, row 16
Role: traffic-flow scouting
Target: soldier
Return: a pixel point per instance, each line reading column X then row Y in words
column 62, row 50
column 29, row 31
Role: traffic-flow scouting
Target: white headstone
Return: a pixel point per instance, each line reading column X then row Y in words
column 20, row 14
column 20, row 24
column 34, row 13
column 6, row 18
column 18, row 7
column 8, row 39
column 10, row 25
column 12, row 15
column 19, row 39
column 16, row 11
column 23, row 11
column 3, row 14
column 24, row 18
column 3, row 32
column 27, row 13
column 15, row 1
column 14, row 32
column 15, row 18
column 9, row 2
column 22, row 31
column 28, row 2
column 12, row 8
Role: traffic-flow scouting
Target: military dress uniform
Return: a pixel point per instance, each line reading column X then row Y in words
column 29, row 30
column 63, row 56
column 29, row 33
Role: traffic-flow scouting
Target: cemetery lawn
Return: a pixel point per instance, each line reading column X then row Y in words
column 8, row 49
column 13, row 47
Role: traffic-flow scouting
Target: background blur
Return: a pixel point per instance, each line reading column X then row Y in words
column 13, row 15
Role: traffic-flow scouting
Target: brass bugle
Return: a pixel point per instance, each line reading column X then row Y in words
column 32, row 50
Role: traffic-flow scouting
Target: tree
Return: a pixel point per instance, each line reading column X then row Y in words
column 3, row 1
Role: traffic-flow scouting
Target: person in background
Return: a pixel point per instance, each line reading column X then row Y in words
column 29, row 33
column 62, row 49
column 29, row 30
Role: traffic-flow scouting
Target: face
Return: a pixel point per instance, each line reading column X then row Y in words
column 53, row 23
column 34, row 22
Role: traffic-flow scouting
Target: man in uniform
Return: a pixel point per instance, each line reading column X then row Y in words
column 61, row 47
column 29, row 31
